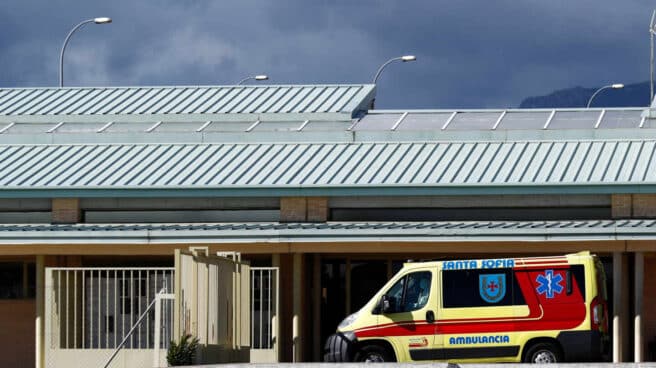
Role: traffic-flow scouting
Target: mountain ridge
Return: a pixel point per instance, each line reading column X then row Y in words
column 632, row 95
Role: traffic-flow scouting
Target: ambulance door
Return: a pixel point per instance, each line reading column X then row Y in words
column 409, row 315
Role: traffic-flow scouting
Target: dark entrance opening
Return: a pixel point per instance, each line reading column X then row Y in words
column 366, row 278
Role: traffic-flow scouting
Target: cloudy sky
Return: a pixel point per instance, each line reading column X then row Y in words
column 471, row 53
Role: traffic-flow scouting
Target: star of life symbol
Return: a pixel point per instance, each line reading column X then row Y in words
column 549, row 284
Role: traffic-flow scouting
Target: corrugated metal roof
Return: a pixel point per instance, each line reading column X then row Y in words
column 376, row 126
column 270, row 99
column 598, row 230
column 327, row 165
column 508, row 119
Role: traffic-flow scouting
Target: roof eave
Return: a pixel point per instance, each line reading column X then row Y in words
column 368, row 190
column 480, row 231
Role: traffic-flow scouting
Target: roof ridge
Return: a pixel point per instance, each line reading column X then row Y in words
column 184, row 86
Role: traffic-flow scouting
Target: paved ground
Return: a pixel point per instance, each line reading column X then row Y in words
column 434, row 365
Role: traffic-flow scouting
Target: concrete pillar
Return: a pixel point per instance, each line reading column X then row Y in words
column 40, row 318
column 39, row 322
column 275, row 262
column 625, row 320
column 617, row 307
column 649, row 305
column 286, row 282
column 297, row 338
column 177, row 307
column 317, row 344
column 639, row 278
column 348, row 286
column 66, row 211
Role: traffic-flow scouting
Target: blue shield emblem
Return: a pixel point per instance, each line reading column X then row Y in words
column 492, row 287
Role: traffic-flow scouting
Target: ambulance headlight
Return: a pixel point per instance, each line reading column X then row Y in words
column 348, row 320
column 348, row 335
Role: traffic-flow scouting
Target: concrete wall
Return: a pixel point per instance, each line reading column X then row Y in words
column 17, row 332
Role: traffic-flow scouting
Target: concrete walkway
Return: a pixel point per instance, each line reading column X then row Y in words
column 433, row 365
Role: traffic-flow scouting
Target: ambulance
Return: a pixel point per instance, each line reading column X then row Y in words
column 537, row 310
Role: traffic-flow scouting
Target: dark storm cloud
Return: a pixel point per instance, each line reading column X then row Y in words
column 471, row 53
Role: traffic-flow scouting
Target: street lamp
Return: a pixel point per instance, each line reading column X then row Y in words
column 100, row 20
column 260, row 77
column 613, row 86
column 404, row 58
column 652, row 31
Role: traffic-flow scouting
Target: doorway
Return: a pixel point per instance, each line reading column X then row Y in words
column 346, row 286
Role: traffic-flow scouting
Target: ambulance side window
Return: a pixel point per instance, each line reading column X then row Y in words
column 480, row 288
column 395, row 294
column 410, row 293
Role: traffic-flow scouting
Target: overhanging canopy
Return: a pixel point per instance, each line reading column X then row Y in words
column 216, row 233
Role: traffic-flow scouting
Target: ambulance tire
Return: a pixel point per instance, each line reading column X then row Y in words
column 543, row 353
column 373, row 354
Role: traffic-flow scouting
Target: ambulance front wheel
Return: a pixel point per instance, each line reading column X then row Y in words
column 373, row 354
column 543, row 353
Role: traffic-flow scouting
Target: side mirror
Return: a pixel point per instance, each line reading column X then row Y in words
column 386, row 304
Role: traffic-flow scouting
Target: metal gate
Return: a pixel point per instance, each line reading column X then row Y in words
column 264, row 314
column 89, row 311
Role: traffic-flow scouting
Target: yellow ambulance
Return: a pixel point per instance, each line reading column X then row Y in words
column 539, row 309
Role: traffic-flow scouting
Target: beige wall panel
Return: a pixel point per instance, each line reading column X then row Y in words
column 17, row 332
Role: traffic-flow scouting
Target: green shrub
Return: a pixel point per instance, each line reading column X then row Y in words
column 183, row 352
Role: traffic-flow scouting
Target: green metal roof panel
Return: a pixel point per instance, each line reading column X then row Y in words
column 327, row 165
column 377, row 126
column 509, row 119
column 270, row 99
column 597, row 230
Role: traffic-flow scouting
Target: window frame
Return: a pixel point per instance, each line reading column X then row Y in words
column 400, row 305
column 514, row 293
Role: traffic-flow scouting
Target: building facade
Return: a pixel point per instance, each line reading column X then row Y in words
column 310, row 180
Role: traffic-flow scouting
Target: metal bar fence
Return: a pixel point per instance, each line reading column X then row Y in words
column 264, row 294
column 94, row 308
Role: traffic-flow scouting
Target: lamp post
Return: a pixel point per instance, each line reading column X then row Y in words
column 652, row 30
column 613, row 86
column 101, row 20
column 260, row 77
column 404, row 58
